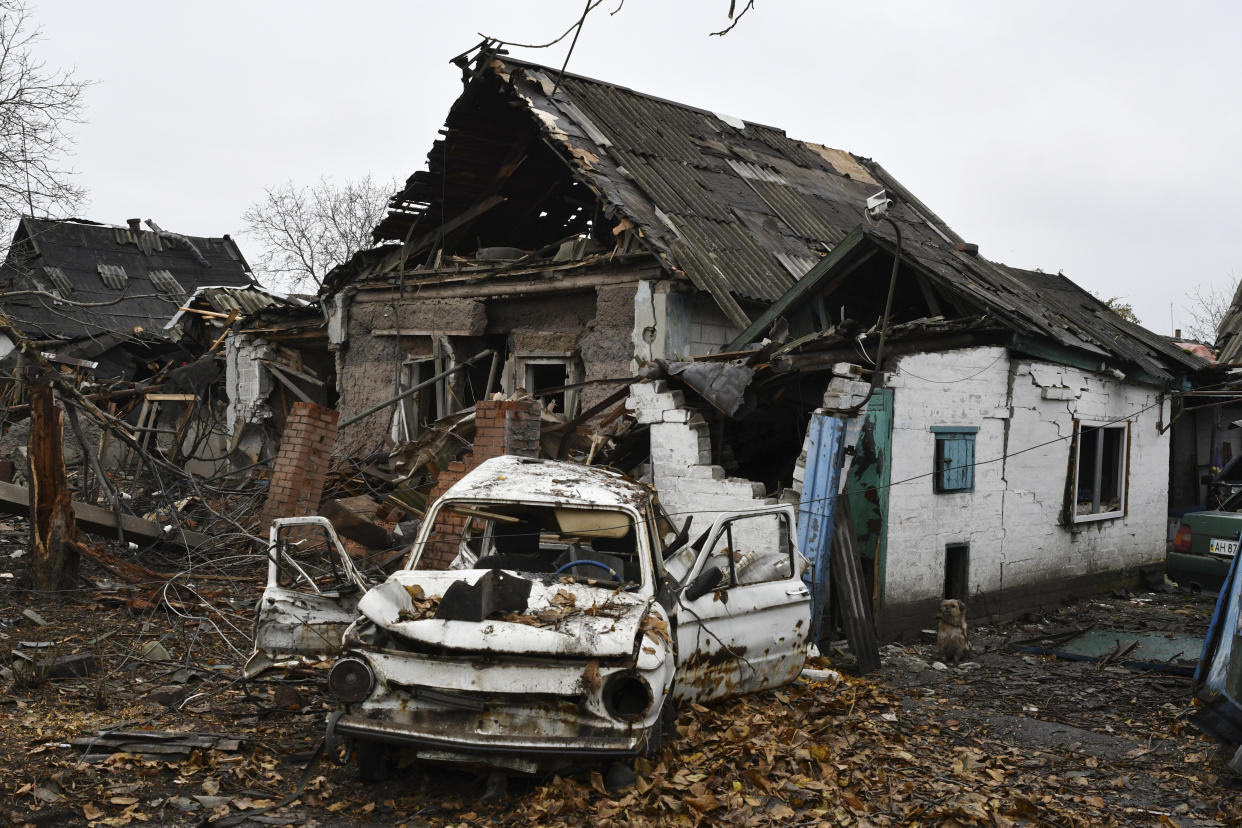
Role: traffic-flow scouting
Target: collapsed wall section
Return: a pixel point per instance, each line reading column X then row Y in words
column 681, row 462
column 302, row 464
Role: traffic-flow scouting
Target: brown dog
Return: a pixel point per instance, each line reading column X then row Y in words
column 951, row 641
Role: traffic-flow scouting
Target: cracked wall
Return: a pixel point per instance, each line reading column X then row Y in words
column 1021, row 552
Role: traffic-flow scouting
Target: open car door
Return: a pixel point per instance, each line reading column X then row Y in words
column 745, row 627
column 311, row 594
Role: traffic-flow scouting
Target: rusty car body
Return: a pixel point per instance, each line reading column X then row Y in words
column 567, row 627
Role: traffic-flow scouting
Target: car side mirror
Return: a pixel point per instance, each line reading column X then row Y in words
column 706, row 581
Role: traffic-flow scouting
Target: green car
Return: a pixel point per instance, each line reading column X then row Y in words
column 1205, row 545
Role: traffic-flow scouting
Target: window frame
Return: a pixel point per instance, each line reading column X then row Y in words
column 573, row 375
column 1123, row 470
column 942, row 436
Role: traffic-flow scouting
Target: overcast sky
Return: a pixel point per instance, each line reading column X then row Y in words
column 1097, row 138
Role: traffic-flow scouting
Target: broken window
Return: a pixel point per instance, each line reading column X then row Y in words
column 753, row 549
column 113, row 276
column 414, row 412
column 545, row 378
column 954, row 462
column 1101, row 455
column 592, row 544
column 166, row 283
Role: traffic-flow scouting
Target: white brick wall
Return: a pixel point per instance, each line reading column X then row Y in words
column 1012, row 519
column 681, row 458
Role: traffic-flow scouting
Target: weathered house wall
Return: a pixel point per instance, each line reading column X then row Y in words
column 590, row 327
column 1021, row 552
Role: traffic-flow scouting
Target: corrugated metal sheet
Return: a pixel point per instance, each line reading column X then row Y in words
column 739, row 207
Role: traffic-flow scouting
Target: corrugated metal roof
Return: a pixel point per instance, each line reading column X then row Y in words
column 109, row 271
column 740, row 207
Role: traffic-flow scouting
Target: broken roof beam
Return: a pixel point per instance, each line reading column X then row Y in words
column 808, row 286
column 469, row 214
column 15, row 500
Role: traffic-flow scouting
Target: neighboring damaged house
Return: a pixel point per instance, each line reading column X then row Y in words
column 105, row 293
column 277, row 356
column 128, row 308
column 1015, row 449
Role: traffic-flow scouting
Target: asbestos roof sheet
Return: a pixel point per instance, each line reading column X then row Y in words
column 70, row 279
column 744, row 211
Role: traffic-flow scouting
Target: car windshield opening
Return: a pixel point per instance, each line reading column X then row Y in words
column 585, row 544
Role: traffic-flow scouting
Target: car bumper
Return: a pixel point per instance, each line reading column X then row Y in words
column 1203, row 572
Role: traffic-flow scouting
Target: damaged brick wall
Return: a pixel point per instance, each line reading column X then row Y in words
column 501, row 427
column 302, row 463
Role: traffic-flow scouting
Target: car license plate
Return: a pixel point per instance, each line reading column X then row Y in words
column 1217, row 546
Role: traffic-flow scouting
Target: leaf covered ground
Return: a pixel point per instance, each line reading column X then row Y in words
column 1017, row 739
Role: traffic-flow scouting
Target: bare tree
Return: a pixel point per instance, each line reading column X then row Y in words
column 303, row 232
column 36, row 104
column 1207, row 306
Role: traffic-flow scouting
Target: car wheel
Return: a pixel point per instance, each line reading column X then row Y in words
column 374, row 761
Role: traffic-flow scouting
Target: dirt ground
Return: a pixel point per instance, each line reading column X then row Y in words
column 1011, row 739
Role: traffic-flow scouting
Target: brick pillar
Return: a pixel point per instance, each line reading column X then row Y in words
column 500, row 427
column 301, row 463
column 506, row 427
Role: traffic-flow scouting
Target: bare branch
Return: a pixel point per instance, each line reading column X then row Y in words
column 303, row 232
column 732, row 5
column 36, row 104
column 1207, row 306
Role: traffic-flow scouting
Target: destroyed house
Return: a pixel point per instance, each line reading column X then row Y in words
column 1013, row 450
column 106, row 294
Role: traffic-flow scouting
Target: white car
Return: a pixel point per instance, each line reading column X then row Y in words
column 541, row 620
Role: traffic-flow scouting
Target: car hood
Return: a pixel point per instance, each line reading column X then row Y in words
column 561, row 618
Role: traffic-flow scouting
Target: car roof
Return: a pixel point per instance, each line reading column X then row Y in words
column 550, row 482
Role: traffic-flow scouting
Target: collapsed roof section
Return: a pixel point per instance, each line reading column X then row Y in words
column 75, row 279
column 531, row 158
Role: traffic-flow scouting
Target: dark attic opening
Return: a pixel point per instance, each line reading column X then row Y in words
column 493, row 189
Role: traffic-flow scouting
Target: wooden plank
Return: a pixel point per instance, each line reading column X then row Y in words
column 288, row 383
column 801, row 292
column 207, row 313
column 850, row 590
column 15, row 500
column 172, row 397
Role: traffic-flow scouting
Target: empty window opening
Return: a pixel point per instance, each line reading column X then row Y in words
column 416, row 411
column 954, row 461
column 544, row 375
column 1100, row 479
column 113, row 276
column 957, row 571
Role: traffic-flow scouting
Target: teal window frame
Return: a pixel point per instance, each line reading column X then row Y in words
column 953, row 459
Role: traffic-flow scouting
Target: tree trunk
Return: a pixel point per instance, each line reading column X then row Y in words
column 55, row 556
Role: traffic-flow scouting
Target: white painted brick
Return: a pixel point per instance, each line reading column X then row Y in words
column 1011, row 520
column 677, row 415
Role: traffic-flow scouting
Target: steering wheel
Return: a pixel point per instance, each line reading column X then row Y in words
column 603, row 566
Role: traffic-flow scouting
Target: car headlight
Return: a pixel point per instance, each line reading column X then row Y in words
column 627, row 697
column 351, row 680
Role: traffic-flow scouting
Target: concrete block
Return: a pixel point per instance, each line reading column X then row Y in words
column 707, row 472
